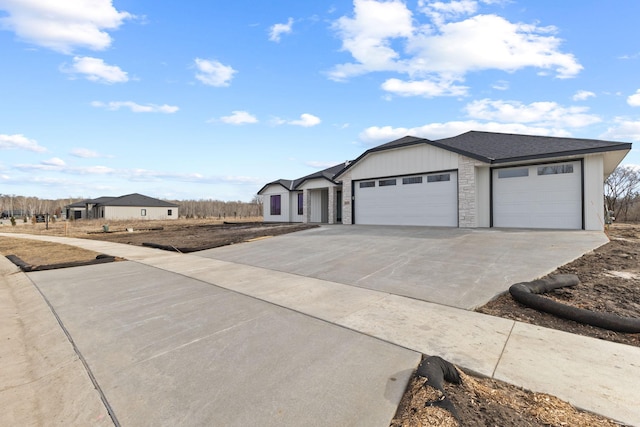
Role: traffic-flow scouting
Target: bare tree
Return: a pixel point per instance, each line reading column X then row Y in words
column 620, row 189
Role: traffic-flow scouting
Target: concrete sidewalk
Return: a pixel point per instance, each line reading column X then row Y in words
column 592, row 374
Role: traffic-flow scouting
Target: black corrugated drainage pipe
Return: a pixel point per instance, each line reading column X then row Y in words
column 527, row 293
column 436, row 370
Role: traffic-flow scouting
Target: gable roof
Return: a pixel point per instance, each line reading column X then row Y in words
column 291, row 185
column 405, row 141
column 136, row 199
column 491, row 147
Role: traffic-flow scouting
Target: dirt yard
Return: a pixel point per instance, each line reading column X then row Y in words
column 609, row 282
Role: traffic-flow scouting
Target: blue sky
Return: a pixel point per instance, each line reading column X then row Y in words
column 211, row 100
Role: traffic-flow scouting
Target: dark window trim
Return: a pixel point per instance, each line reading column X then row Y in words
column 412, row 180
column 143, row 212
column 275, row 209
column 387, row 182
column 516, row 168
column 300, row 203
column 433, row 178
column 562, row 171
column 365, row 184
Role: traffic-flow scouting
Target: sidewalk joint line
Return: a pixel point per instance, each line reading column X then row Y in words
column 504, row 347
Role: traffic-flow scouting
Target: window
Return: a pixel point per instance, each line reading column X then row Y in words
column 555, row 169
column 386, row 182
column 300, row 203
column 439, row 178
column 513, row 173
column 143, row 212
column 169, row 212
column 275, row 204
column 412, row 180
column 367, row 184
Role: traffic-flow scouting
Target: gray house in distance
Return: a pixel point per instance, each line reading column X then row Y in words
column 131, row 206
column 476, row 179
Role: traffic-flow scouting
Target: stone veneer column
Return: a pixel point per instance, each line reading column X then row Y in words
column 306, row 206
column 347, row 203
column 331, row 218
column 467, row 203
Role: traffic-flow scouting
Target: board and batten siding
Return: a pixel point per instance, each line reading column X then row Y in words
column 593, row 166
column 405, row 160
column 135, row 212
column 285, row 203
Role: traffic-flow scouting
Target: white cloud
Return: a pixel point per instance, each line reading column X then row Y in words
column 85, row 153
column 136, row 108
column 63, row 25
column 380, row 134
column 95, row 70
column 277, row 30
column 306, row 120
column 21, row 142
column 367, row 36
column 624, row 130
column 214, row 73
column 501, row 85
column 634, row 100
column 54, row 161
column 239, row 118
column 320, row 165
column 545, row 114
column 583, row 95
column 426, row 88
column 439, row 12
column 386, row 36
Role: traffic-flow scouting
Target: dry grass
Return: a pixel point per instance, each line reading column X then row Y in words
column 81, row 228
column 35, row 252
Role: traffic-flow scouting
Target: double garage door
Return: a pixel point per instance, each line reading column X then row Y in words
column 530, row 196
column 423, row 199
column 538, row 196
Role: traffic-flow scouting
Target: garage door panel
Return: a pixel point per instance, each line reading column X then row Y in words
column 552, row 199
column 425, row 203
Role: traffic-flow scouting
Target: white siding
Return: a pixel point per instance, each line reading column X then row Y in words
column 285, row 203
column 483, row 198
column 594, row 192
column 406, row 160
column 136, row 212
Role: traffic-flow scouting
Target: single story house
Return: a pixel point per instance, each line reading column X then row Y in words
column 130, row 206
column 476, row 179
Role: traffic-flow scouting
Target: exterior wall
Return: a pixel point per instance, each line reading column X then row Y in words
column 285, row 204
column 593, row 168
column 468, row 194
column 320, row 200
column 405, row 160
column 483, row 196
column 401, row 161
column 135, row 212
column 347, row 199
column 293, row 204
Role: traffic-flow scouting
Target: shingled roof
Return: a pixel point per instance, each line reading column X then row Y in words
column 494, row 147
column 291, row 185
column 136, row 199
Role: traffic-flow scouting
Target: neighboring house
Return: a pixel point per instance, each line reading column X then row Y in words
column 130, row 206
column 477, row 179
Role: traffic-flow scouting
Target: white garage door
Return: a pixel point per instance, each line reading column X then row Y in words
column 426, row 199
column 540, row 196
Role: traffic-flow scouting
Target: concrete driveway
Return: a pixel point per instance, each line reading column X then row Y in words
column 170, row 350
column 463, row 268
